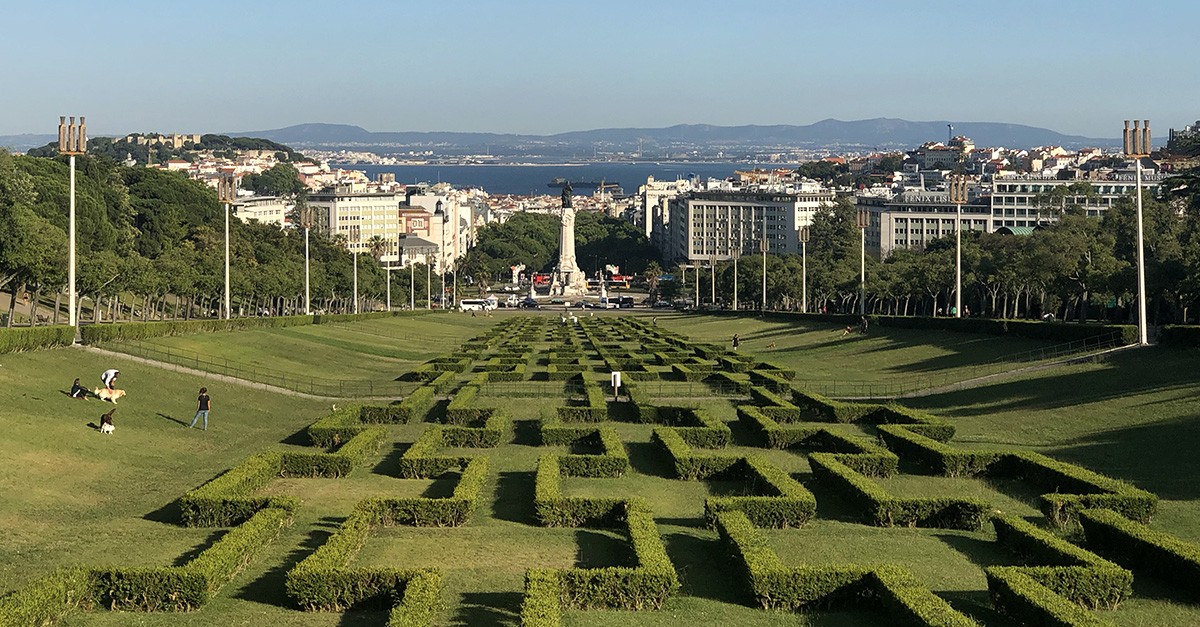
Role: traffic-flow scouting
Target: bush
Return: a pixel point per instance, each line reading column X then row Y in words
column 422, row 601
column 1027, row 602
column 596, row 409
column 511, row 373
column 1143, row 549
column 823, row 409
column 416, row 406
column 428, row 512
column 782, row 501
column 1077, row 574
column 686, row 464
column 935, row 456
column 493, row 431
column 554, row 510
column 188, row 587
column 774, row 405
column 774, row 586
column 462, row 410
column 358, row 450
column 542, row 605
column 646, row 585
column 124, row 331
column 685, row 372
column 45, row 601
column 1070, row 488
column 35, row 338
column 420, row 461
column 227, row 500
column 881, row 508
column 770, row 380
column 338, row 427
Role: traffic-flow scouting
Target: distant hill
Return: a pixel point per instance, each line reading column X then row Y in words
column 879, row 132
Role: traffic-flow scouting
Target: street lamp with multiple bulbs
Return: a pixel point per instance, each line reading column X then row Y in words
column 957, row 187
column 226, row 194
column 864, row 220
column 72, row 141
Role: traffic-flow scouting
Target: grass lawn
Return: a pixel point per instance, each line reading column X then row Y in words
column 73, row 496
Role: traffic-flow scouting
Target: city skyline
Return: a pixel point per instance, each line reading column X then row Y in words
column 542, row 68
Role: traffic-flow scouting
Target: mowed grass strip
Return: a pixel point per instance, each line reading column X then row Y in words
column 74, row 496
column 378, row 349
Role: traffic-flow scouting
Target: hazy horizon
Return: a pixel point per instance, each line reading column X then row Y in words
column 539, row 67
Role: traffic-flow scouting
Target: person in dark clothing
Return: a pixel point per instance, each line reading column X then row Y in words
column 203, row 404
column 78, row 391
column 862, row 325
column 737, row 341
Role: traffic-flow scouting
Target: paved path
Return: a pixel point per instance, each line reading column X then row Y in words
column 227, row 379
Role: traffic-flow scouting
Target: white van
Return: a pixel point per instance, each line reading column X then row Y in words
column 477, row 304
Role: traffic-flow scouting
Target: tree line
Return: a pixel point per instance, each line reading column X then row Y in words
column 151, row 246
column 1077, row 267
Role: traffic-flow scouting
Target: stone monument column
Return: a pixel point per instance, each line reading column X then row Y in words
column 570, row 278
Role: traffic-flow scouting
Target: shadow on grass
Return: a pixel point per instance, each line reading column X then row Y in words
column 443, row 485
column 526, row 433
column 173, row 419
column 977, row 604
column 830, row 504
column 741, row 436
column 170, row 514
column 622, row 411
column 702, row 570
column 270, row 587
column 600, row 550
column 514, row 498
column 648, row 459
column 390, row 464
column 199, row 548
column 488, row 608
column 299, row 438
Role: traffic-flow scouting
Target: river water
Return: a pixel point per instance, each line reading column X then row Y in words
column 532, row 179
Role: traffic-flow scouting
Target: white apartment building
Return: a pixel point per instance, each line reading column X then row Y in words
column 1015, row 198
column 264, row 209
column 913, row 218
column 655, row 195
column 718, row 225
column 358, row 216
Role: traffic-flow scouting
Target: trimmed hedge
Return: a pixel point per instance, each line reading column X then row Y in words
column 542, row 604
column 358, row 450
column 1078, row 575
column 782, row 501
column 773, row 586
column 645, row 585
column 490, row 434
column 934, row 456
column 416, row 406
column 595, row 409
column 122, row 331
column 879, row 507
column 45, row 601
column 322, row 581
column 462, row 409
column 820, row 408
column 695, row 425
column 188, row 587
column 1019, row 596
column 770, row 380
column 862, row 456
column 727, row 380
column 511, row 373
column 426, row 512
column 227, row 500
column 686, row 464
column 35, row 338
column 612, row 461
column 421, row 460
column 554, row 510
column 1143, row 549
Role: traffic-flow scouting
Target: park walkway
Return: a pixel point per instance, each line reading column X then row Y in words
column 226, row 378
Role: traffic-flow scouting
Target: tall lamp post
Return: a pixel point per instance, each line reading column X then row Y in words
column 864, row 220
column 306, row 217
column 735, row 277
column 804, row 269
column 356, row 281
column 428, row 280
column 712, row 269
column 1137, row 145
column 763, row 248
column 72, row 141
column 958, row 196
column 226, row 193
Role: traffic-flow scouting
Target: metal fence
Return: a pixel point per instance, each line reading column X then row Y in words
column 318, row 386
column 961, row 378
column 657, row 389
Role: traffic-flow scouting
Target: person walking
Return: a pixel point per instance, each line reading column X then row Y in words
column 109, row 377
column 737, row 341
column 203, row 404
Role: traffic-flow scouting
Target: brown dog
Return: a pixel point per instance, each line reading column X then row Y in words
column 771, row 345
column 106, row 422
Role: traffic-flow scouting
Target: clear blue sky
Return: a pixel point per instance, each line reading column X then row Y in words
column 531, row 66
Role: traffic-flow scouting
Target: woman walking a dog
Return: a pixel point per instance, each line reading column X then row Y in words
column 202, row 406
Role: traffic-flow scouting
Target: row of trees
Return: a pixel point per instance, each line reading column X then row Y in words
column 1078, row 267
column 151, row 245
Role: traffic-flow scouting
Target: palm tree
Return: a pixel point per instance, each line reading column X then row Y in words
column 377, row 245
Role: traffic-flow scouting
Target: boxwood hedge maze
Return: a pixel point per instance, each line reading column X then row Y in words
column 520, row 435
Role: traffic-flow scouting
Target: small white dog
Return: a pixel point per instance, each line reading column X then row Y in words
column 106, row 394
column 106, row 422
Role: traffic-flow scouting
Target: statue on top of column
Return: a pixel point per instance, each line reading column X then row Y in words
column 566, row 195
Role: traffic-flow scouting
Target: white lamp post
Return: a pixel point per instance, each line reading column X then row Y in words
column 804, row 269
column 226, row 193
column 763, row 248
column 1137, row 145
column 72, row 141
column 958, row 196
column 864, row 220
